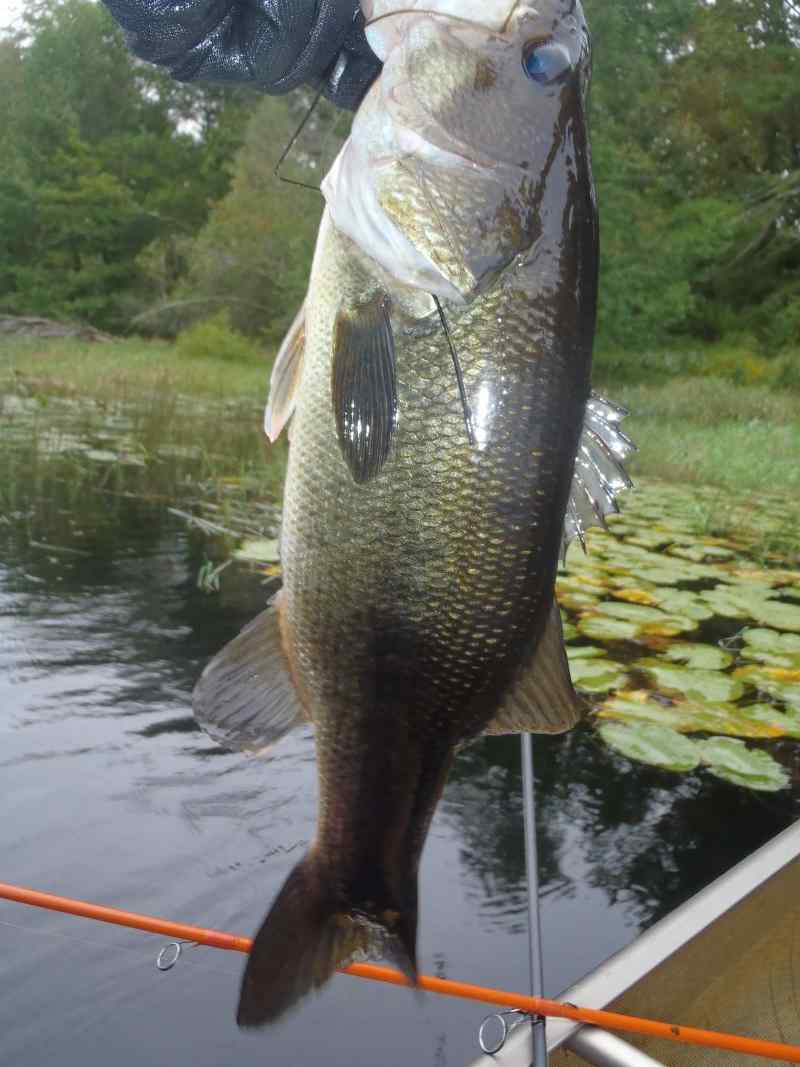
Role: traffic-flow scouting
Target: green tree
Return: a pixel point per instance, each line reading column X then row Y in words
column 102, row 158
column 253, row 256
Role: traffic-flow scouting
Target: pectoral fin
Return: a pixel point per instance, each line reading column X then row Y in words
column 245, row 698
column 286, row 374
column 364, row 387
column 542, row 700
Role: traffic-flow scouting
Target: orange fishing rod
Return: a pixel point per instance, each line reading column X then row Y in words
column 608, row 1020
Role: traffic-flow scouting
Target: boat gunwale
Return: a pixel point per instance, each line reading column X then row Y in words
column 617, row 975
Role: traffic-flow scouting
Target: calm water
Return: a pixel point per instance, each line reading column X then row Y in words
column 110, row 793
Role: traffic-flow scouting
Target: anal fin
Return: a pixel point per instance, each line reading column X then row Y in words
column 542, row 699
column 245, row 698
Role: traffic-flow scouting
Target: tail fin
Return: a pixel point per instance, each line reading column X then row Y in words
column 310, row 932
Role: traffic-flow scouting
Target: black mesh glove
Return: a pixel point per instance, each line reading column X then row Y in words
column 275, row 44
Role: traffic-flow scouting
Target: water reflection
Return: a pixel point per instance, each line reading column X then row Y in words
column 648, row 839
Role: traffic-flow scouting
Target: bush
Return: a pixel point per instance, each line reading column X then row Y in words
column 787, row 369
column 215, row 338
column 738, row 363
column 738, row 360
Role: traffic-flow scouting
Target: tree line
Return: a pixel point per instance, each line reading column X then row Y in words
column 138, row 204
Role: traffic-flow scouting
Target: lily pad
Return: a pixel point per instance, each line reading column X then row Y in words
column 575, row 601
column 782, row 724
column 732, row 760
column 650, row 620
column 732, row 602
column 258, row 551
column 687, row 717
column 639, row 613
column 698, row 657
column 772, row 648
column 584, row 652
column 644, row 538
column 681, row 602
column 669, row 626
column 700, row 552
column 781, row 684
column 636, row 595
column 650, row 743
column 771, row 641
column 604, row 628
column 705, row 686
column 778, row 614
column 597, row 675
column 570, row 631
column 585, row 582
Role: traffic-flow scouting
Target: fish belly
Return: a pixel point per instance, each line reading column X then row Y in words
column 423, row 585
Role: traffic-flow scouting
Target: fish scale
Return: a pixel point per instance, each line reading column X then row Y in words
column 420, row 539
column 459, row 553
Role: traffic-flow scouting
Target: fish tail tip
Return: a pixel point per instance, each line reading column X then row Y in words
column 308, row 934
column 295, row 950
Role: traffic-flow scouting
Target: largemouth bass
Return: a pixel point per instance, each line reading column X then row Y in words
column 430, row 468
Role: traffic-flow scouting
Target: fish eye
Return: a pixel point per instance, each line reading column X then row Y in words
column 544, row 61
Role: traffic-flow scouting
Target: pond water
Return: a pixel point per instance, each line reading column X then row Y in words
column 110, row 792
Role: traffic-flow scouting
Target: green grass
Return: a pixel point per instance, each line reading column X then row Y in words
column 711, row 432
column 740, row 361
column 128, row 369
column 700, row 430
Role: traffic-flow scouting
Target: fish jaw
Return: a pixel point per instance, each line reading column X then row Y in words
column 440, row 180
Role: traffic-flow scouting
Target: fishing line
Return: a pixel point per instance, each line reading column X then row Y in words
column 290, row 145
column 459, row 375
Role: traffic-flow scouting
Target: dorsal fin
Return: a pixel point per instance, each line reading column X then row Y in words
column 364, row 386
column 542, row 700
column 245, row 698
column 286, row 374
column 599, row 474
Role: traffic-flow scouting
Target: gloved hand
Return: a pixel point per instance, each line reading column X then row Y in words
column 275, row 44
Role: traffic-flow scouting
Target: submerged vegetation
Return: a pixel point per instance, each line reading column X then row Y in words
column 139, row 420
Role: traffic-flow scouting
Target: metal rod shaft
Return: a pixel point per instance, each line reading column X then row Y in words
column 539, row 1036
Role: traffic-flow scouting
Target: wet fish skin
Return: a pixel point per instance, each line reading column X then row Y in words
column 417, row 607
